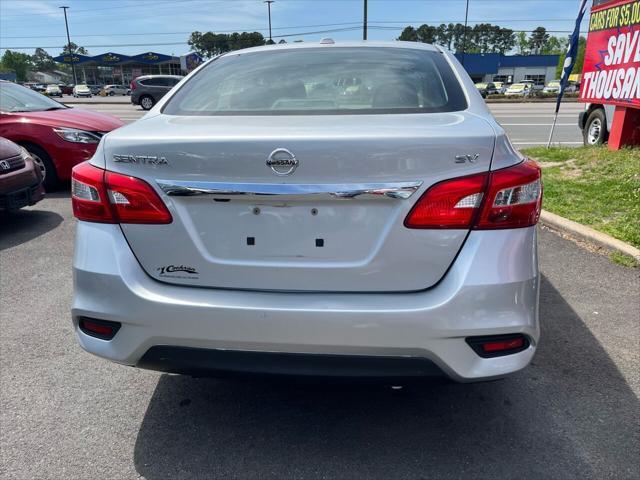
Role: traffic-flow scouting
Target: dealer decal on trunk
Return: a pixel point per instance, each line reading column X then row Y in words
column 177, row 271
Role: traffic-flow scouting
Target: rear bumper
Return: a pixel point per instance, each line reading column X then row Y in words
column 491, row 289
column 203, row 361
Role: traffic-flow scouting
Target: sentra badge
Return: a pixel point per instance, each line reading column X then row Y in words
column 141, row 159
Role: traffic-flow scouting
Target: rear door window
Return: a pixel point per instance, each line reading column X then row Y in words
column 338, row 80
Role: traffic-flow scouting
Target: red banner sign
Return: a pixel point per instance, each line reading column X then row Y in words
column 611, row 72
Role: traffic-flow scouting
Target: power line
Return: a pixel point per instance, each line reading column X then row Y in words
column 400, row 24
column 297, row 34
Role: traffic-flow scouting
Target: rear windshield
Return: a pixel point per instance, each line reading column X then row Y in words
column 314, row 81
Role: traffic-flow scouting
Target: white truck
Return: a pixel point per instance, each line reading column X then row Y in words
column 595, row 123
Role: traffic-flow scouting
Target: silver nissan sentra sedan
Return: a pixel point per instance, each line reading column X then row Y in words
column 311, row 209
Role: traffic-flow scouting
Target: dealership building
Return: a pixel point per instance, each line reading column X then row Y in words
column 115, row 68
column 493, row 67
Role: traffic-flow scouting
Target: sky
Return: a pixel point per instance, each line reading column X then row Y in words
column 130, row 27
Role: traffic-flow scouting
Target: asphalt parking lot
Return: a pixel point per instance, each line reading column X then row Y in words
column 527, row 124
column 574, row 413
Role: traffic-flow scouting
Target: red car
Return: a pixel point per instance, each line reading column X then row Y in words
column 57, row 137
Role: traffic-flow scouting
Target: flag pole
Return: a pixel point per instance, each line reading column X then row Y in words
column 553, row 126
column 569, row 62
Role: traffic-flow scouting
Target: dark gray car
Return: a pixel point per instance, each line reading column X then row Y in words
column 147, row 90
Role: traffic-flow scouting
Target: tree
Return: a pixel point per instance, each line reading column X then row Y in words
column 522, row 43
column 17, row 62
column 461, row 38
column 481, row 38
column 445, row 35
column 42, row 61
column 505, row 40
column 478, row 39
column 210, row 44
column 427, row 34
column 538, row 39
column 577, row 67
column 409, row 34
column 74, row 49
column 555, row 46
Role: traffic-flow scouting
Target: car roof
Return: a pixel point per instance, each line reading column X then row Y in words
column 360, row 44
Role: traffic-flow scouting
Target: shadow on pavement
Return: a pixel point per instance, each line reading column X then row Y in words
column 26, row 224
column 569, row 415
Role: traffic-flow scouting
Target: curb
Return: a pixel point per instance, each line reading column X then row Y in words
column 587, row 234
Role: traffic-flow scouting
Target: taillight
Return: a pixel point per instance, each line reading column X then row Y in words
column 108, row 197
column 507, row 198
column 449, row 204
column 88, row 194
column 514, row 198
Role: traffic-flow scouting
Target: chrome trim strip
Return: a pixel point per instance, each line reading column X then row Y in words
column 398, row 190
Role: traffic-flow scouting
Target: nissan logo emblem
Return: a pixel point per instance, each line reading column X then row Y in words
column 282, row 162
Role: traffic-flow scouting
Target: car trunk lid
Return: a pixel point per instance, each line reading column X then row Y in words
column 334, row 223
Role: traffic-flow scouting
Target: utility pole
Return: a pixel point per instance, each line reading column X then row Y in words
column 269, row 2
column 364, row 24
column 73, row 67
column 464, row 36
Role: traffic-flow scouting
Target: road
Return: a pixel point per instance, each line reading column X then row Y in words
column 527, row 124
column 573, row 414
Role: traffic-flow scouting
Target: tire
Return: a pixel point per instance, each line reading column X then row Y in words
column 595, row 128
column 147, row 102
column 111, row 94
column 48, row 169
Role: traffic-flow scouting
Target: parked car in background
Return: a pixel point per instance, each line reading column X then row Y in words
column 53, row 91
column 554, row 87
column 58, row 137
column 407, row 245
column 486, row 88
column 20, row 178
column 501, row 87
column 147, row 90
column 67, row 89
column 95, row 89
column 595, row 122
column 81, row 91
column 519, row 90
column 111, row 90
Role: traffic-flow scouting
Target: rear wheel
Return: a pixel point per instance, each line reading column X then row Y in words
column 46, row 166
column 111, row 94
column 595, row 129
column 147, row 102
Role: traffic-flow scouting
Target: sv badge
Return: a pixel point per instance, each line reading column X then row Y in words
column 467, row 158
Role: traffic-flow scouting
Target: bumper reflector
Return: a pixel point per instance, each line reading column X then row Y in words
column 498, row 345
column 102, row 329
